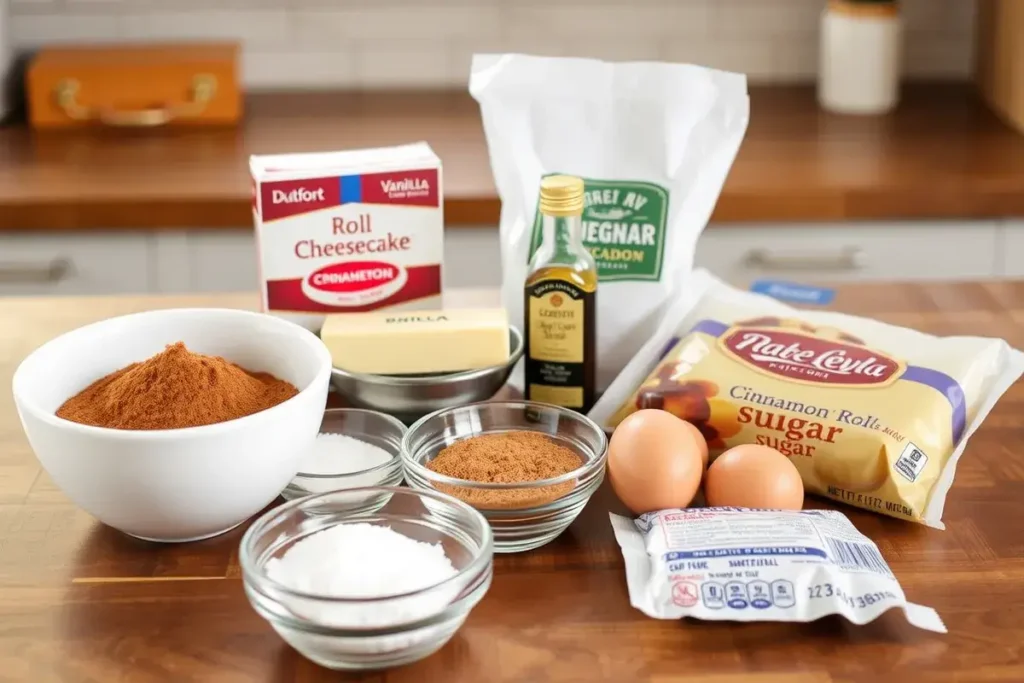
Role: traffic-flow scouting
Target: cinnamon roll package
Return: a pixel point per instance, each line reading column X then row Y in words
column 872, row 414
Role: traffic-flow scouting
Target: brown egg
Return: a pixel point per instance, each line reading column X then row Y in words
column 655, row 461
column 754, row 476
column 702, row 444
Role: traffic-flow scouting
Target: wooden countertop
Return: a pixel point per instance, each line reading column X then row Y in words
column 942, row 155
column 80, row 602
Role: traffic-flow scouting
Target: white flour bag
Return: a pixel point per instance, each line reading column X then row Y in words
column 653, row 143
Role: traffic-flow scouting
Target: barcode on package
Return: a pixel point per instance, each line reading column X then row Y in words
column 849, row 555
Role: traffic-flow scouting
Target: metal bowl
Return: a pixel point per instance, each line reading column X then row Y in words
column 410, row 397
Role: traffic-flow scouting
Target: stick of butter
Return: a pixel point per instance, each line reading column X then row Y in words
column 417, row 342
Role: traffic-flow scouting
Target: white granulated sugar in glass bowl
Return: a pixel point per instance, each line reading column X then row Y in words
column 340, row 454
column 355, row 448
column 362, row 560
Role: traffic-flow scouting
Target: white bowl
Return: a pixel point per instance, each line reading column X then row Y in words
column 176, row 484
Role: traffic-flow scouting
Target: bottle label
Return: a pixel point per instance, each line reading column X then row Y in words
column 555, row 370
column 623, row 228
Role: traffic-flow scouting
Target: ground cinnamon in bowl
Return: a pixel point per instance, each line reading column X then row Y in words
column 506, row 458
column 173, row 390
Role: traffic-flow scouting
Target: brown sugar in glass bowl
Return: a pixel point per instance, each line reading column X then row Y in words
column 519, row 457
column 175, row 389
column 523, row 514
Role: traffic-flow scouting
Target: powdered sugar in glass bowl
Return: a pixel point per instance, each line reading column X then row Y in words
column 341, row 614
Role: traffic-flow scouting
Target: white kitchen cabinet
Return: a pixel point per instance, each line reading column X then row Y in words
column 952, row 250
column 1011, row 251
column 841, row 252
column 207, row 260
column 224, row 260
column 76, row 263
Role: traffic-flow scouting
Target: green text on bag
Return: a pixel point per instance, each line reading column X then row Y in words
column 623, row 227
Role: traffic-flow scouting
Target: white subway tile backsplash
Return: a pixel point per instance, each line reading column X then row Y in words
column 752, row 57
column 33, row 30
column 252, row 28
column 295, row 70
column 429, row 43
column 422, row 22
column 628, row 48
column 30, row 6
column 86, row 5
column 796, row 61
column 320, row 29
column 780, row 19
column 939, row 16
column 938, row 59
column 581, row 22
column 179, row 5
column 405, row 64
column 684, row 50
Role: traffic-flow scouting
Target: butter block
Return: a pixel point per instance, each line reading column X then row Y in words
column 417, row 342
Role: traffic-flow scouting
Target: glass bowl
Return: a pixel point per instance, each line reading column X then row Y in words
column 354, row 633
column 375, row 428
column 525, row 515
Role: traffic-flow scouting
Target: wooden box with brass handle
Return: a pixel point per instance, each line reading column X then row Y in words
column 135, row 86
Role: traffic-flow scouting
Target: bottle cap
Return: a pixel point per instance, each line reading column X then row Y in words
column 561, row 195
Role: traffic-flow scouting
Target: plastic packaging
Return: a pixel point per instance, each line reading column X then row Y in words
column 733, row 564
column 871, row 414
column 653, row 143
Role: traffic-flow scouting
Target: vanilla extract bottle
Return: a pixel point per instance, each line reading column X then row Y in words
column 560, row 306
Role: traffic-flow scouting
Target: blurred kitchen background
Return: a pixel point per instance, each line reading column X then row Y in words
column 929, row 186
column 428, row 43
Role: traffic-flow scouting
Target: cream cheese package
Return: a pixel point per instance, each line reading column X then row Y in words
column 346, row 232
column 736, row 564
column 653, row 143
column 871, row 414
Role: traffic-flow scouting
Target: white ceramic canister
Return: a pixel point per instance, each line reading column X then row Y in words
column 859, row 69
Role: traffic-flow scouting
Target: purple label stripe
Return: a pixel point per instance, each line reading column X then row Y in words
column 668, row 347
column 712, row 327
column 941, row 382
column 949, row 388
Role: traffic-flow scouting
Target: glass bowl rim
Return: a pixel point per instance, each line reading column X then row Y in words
column 257, row 575
column 391, row 419
column 587, row 468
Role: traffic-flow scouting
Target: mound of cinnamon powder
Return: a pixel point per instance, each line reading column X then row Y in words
column 173, row 390
column 506, row 458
